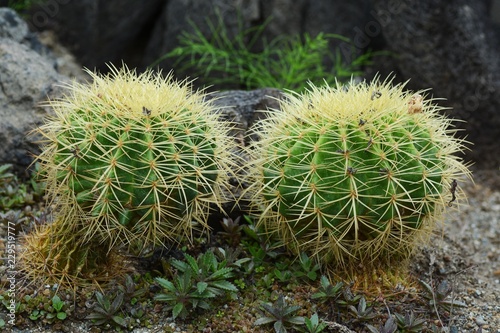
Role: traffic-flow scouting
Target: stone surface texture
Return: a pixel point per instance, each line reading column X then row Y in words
column 453, row 48
column 26, row 79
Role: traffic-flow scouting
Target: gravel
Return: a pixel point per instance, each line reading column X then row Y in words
column 467, row 253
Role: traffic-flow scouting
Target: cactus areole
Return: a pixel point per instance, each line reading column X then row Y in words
column 354, row 172
column 141, row 156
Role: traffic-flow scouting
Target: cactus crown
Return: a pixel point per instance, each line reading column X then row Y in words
column 141, row 156
column 354, row 173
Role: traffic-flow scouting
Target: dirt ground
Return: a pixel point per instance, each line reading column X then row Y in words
column 467, row 255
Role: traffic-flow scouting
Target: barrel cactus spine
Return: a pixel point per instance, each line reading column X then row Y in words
column 141, row 156
column 57, row 253
column 354, row 174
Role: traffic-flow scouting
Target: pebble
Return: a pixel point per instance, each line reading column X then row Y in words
column 480, row 321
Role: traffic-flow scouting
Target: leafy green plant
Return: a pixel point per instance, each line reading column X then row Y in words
column 38, row 186
column 313, row 324
column 389, row 326
column 232, row 230
column 20, row 200
column 183, row 294
column 46, row 308
column 240, row 283
column 231, row 256
column 362, row 312
column 260, row 248
column 439, row 296
column 5, row 174
column 138, row 312
column 195, row 283
column 106, row 311
column 207, row 271
column 283, row 276
column 259, row 253
column 36, row 314
column 14, row 193
column 281, row 315
column 130, row 290
column 308, row 269
column 266, row 281
column 348, row 298
column 328, row 292
column 409, row 323
column 283, row 63
column 18, row 307
column 287, row 270
column 355, row 173
column 58, row 307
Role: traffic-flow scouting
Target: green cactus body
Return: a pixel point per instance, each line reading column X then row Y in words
column 353, row 173
column 141, row 156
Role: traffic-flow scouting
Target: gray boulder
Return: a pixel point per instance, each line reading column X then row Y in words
column 451, row 47
column 98, row 31
column 26, row 79
column 12, row 26
column 244, row 108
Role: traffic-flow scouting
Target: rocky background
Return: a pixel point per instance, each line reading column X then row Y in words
column 449, row 46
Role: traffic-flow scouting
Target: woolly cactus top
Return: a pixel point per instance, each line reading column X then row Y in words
column 354, row 172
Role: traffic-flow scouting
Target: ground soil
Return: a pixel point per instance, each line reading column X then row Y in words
column 465, row 253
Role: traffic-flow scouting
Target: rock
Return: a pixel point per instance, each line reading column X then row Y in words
column 26, row 79
column 452, row 48
column 480, row 321
column 291, row 17
column 98, row 31
column 64, row 61
column 243, row 107
column 12, row 26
